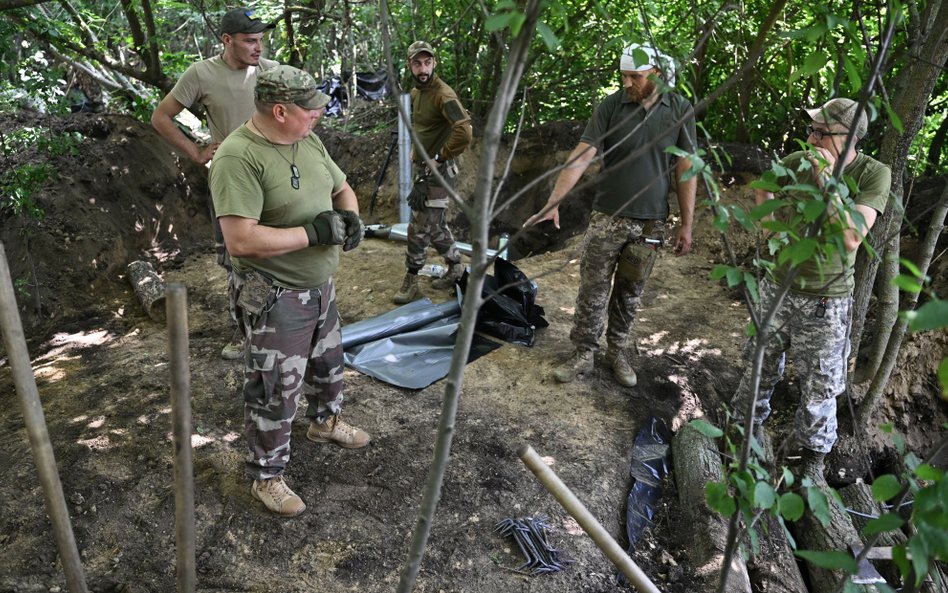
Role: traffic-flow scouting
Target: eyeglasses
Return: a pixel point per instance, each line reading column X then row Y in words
column 294, row 176
column 820, row 134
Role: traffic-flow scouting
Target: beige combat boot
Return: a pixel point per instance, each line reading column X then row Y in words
column 618, row 359
column 277, row 497
column 409, row 291
column 337, row 432
column 580, row 363
column 454, row 273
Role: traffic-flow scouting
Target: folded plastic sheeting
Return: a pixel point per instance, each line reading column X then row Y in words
column 403, row 319
column 649, row 467
column 509, row 312
column 410, row 346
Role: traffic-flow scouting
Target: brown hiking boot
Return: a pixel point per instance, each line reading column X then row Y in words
column 580, row 363
column 409, row 290
column 277, row 497
column 337, row 432
column 450, row 278
column 618, row 359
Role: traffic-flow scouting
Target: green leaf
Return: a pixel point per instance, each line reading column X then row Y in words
column 907, row 283
column 882, row 524
column 766, row 209
column 931, row 315
column 764, row 495
column 715, row 493
column 802, row 250
column 548, row 36
column 853, row 72
column 910, row 265
column 719, row 271
column 496, row 22
column 788, row 477
column 818, row 504
column 929, row 472
column 813, row 209
column 894, row 117
column 815, row 62
column 832, row 560
column 734, row 277
column 885, row 487
column 706, row 428
column 790, row 506
column 771, row 186
column 919, row 554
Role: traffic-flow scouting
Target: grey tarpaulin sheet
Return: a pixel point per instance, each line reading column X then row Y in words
column 648, row 468
column 405, row 318
column 410, row 346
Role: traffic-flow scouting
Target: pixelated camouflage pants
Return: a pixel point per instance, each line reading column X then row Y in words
column 295, row 348
column 817, row 339
column 606, row 237
column 428, row 225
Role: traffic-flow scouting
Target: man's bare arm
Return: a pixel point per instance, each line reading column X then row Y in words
column 163, row 121
column 576, row 165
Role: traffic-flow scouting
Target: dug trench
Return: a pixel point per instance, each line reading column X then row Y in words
column 101, row 366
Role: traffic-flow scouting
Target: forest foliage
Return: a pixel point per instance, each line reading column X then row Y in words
column 134, row 50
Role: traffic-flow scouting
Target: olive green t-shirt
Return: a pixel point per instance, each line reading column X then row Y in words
column 225, row 93
column 251, row 178
column 634, row 181
column 832, row 275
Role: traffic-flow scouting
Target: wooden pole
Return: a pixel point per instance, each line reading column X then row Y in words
column 586, row 520
column 176, row 307
column 15, row 343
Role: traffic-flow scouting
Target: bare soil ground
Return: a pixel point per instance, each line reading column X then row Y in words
column 101, row 366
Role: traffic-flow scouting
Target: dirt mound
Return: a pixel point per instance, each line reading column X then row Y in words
column 102, row 371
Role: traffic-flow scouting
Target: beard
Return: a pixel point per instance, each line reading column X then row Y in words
column 639, row 94
column 422, row 79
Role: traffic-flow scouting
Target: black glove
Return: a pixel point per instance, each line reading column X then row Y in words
column 328, row 228
column 417, row 198
column 354, row 229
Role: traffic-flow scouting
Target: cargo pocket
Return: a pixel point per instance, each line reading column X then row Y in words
column 635, row 262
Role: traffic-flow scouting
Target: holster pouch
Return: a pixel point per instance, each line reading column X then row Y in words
column 253, row 293
column 636, row 261
column 416, row 198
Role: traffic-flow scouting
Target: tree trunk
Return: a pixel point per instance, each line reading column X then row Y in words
column 913, row 88
column 149, row 289
column 698, row 462
column 837, row 536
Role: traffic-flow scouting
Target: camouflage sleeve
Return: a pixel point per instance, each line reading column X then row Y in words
column 461, row 131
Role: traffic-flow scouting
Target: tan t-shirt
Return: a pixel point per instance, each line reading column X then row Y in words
column 225, row 93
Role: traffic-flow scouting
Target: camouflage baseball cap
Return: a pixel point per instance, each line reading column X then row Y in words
column 241, row 20
column 419, row 47
column 286, row 84
column 841, row 111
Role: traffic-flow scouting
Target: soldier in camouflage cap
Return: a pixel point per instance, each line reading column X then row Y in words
column 813, row 321
column 286, row 84
column 444, row 129
column 632, row 129
column 285, row 209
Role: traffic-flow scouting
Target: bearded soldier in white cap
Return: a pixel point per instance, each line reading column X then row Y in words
column 814, row 318
column 631, row 128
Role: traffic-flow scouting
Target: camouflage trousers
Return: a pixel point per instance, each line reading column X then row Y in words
column 609, row 239
column 815, row 332
column 428, row 227
column 294, row 349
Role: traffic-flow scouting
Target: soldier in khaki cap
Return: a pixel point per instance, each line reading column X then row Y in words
column 444, row 129
column 223, row 87
column 813, row 321
column 285, row 209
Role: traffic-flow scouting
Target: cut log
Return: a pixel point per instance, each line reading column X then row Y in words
column 838, row 536
column 775, row 569
column 149, row 289
column 697, row 462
